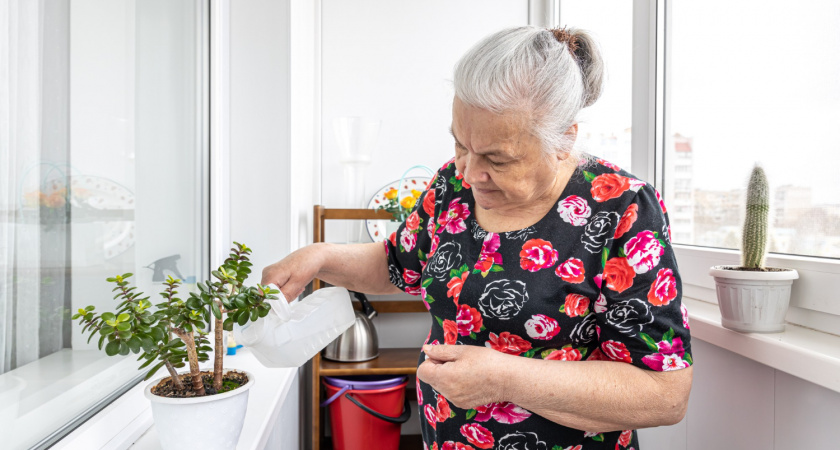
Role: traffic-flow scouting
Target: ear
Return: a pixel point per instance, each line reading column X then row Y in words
column 572, row 132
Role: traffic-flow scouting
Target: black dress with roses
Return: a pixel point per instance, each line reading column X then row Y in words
column 595, row 279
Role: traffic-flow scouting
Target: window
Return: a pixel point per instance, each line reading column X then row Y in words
column 102, row 156
column 753, row 94
column 604, row 128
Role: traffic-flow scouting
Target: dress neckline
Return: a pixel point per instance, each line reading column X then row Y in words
column 563, row 194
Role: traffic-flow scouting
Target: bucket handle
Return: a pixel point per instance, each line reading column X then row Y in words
column 398, row 420
column 336, row 395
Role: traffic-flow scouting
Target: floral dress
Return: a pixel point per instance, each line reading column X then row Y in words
column 595, row 279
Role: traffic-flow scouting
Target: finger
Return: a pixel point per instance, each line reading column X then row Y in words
column 442, row 352
column 426, row 372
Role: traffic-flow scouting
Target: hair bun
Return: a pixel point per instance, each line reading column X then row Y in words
column 564, row 37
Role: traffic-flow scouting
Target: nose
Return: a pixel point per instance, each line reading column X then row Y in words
column 473, row 172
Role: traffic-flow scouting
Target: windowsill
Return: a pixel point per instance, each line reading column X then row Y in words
column 127, row 423
column 809, row 354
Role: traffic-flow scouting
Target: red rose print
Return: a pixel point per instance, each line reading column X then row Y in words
column 469, row 320
column 608, row 186
column 451, row 445
column 413, row 290
column 431, row 415
column 411, row 276
column 564, row 354
column 624, row 438
column 571, row 271
column 413, row 221
column 442, row 412
column 508, row 343
column 478, row 435
column 576, row 305
column 429, row 202
column 434, row 446
column 455, row 285
column 606, row 163
column 450, row 332
column 597, row 355
column 393, row 238
column 618, row 275
column 627, row 220
column 616, row 351
column 537, row 254
column 663, row 289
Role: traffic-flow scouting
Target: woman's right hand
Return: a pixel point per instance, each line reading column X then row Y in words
column 293, row 273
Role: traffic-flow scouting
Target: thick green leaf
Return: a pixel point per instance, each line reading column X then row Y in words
column 217, row 313
column 123, row 326
column 124, row 350
column 242, row 319
column 123, row 317
column 108, row 316
column 228, row 324
column 194, row 304
column 106, row 330
column 254, row 315
column 134, row 344
column 157, row 334
column 147, row 343
column 112, row 348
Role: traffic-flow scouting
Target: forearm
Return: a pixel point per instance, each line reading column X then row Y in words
column 596, row 396
column 358, row 267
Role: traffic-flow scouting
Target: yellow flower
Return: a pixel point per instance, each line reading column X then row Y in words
column 391, row 194
column 408, row 202
column 416, row 193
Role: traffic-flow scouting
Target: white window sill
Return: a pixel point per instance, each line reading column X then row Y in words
column 803, row 352
column 127, row 423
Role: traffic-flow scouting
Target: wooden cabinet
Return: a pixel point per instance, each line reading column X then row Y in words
column 391, row 361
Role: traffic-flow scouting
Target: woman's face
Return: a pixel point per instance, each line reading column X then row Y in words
column 501, row 160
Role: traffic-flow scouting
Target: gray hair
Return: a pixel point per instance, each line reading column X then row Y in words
column 528, row 70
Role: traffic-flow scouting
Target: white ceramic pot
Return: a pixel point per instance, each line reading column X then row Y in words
column 753, row 301
column 212, row 422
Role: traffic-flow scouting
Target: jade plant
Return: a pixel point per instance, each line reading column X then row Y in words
column 754, row 239
column 175, row 334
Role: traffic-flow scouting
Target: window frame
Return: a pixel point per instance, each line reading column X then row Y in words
column 810, row 305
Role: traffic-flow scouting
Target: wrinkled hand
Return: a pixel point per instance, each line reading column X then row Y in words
column 466, row 375
column 292, row 273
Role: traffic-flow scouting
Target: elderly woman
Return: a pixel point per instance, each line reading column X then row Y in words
column 549, row 275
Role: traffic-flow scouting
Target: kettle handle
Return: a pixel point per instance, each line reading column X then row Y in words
column 367, row 308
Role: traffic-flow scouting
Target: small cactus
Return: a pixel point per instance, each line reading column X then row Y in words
column 754, row 240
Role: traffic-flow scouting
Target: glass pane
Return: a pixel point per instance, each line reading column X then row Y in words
column 604, row 128
column 749, row 91
column 100, row 174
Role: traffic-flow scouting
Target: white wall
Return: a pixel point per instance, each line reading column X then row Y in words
column 737, row 403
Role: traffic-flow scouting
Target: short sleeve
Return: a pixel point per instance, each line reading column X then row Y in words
column 639, row 312
column 408, row 247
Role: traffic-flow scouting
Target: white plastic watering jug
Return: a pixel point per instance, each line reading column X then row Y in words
column 292, row 333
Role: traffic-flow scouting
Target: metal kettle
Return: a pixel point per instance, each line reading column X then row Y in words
column 359, row 342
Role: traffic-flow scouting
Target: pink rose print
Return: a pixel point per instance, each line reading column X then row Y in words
column 433, row 247
column 624, row 438
column 489, row 257
column 663, row 289
column 431, row 415
column 452, row 220
column 564, row 354
column 477, row 435
column 598, row 279
column 419, row 391
column 635, row 184
column 597, row 355
column 643, row 251
column 469, row 320
column 616, row 351
column 451, row 445
column 411, row 276
column 537, row 254
column 507, row 343
column 574, row 210
column 606, row 163
column 542, row 327
column 601, row 304
column 670, row 356
column 661, row 203
column 505, row 412
column 413, row 290
column 684, row 312
column 571, row 271
column 575, row 447
column 407, row 239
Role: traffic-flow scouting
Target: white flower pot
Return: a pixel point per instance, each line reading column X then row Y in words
column 209, row 423
column 753, row 301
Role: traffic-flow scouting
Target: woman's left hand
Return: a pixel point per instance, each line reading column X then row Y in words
column 466, row 375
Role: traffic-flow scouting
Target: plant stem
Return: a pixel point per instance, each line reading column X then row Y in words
column 195, row 373
column 176, row 380
column 218, row 355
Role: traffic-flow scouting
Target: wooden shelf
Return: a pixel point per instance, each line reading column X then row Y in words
column 391, row 361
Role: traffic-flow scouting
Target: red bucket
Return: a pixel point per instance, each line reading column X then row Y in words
column 361, row 418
